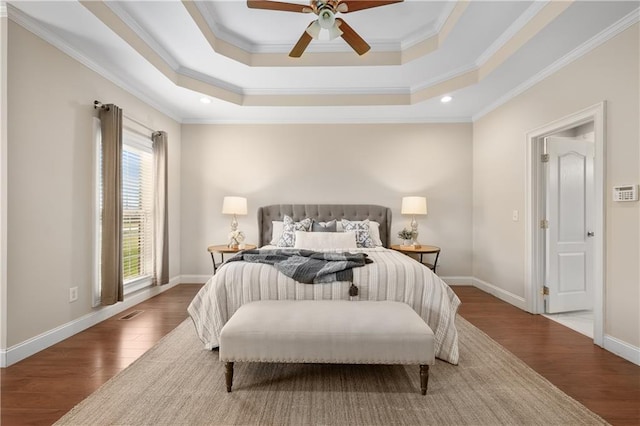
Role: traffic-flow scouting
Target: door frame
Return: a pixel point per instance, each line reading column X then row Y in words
column 535, row 212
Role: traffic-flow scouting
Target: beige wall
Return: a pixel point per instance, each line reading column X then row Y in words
column 4, row 22
column 361, row 164
column 50, row 189
column 608, row 73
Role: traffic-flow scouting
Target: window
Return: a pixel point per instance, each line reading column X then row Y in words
column 137, row 211
column 137, row 214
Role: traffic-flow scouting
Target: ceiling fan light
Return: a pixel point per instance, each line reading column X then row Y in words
column 334, row 32
column 327, row 19
column 314, row 29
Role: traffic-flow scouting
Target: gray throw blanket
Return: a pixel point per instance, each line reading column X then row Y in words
column 307, row 266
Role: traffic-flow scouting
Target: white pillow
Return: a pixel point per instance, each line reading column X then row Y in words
column 374, row 231
column 277, row 227
column 325, row 240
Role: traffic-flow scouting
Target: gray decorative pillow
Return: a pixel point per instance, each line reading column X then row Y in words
column 361, row 229
column 331, row 226
column 289, row 228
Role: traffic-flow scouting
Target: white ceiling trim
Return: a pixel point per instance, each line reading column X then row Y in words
column 451, row 75
column 36, row 28
column 215, row 82
column 537, row 23
column 607, row 34
column 133, row 24
column 511, row 32
column 440, row 23
column 338, row 120
column 329, row 91
column 3, row 9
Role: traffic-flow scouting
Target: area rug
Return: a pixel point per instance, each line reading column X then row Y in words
column 177, row 382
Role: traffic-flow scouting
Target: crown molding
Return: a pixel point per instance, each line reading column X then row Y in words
column 3, row 9
column 602, row 37
column 339, row 120
column 143, row 34
column 329, row 91
column 531, row 12
column 40, row 31
column 443, row 78
column 207, row 79
column 420, row 37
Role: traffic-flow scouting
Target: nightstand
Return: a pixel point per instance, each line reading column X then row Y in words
column 224, row 249
column 421, row 251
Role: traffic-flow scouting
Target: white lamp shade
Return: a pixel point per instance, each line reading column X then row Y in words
column 334, row 32
column 234, row 205
column 314, row 29
column 414, row 205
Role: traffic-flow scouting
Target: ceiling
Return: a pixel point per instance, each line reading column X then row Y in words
column 173, row 53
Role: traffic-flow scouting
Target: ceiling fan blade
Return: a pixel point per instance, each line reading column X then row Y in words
column 352, row 38
column 301, row 45
column 276, row 5
column 355, row 5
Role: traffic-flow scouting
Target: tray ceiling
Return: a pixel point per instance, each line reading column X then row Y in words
column 173, row 53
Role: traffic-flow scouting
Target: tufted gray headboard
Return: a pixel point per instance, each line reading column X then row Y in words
column 323, row 213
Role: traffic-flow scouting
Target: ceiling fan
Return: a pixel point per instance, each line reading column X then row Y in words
column 326, row 11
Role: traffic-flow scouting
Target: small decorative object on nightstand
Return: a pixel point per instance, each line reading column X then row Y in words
column 405, row 235
column 421, row 250
column 414, row 206
column 235, row 206
column 225, row 249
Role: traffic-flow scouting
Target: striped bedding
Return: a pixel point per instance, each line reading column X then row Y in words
column 391, row 276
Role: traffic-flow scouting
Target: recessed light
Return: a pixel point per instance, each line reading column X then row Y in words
column 445, row 99
column 205, row 100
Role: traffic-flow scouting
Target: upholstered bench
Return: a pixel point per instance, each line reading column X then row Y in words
column 327, row 331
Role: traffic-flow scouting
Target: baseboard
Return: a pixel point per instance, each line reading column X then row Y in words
column 36, row 344
column 622, row 349
column 453, row 281
column 194, row 279
column 501, row 294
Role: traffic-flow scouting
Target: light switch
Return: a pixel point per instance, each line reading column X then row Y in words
column 515, row 215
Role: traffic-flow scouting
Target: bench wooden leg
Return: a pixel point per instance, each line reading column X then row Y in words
column 229, row 375
column 424, row 378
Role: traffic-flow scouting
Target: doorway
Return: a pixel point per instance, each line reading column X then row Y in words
column 565, row 221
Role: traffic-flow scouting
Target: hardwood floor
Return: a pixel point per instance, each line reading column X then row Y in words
column 40, row 389
column 605, row 383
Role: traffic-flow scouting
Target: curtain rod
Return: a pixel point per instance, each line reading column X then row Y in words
column 100, row 105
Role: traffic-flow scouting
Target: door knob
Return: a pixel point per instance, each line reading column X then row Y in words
column 590, row 234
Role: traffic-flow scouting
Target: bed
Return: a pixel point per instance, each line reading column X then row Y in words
column 391, row 276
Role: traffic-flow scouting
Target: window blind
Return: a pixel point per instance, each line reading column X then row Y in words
column 137, row 197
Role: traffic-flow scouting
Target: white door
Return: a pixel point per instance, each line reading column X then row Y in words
column 570, row 205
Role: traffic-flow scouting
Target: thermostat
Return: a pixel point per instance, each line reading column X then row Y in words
column 625, row 193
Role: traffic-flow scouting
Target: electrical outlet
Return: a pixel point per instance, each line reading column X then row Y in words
column 73, row 294
column 515, row 215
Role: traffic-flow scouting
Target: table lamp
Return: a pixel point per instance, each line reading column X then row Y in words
column 414, row 206
column 234, row 206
